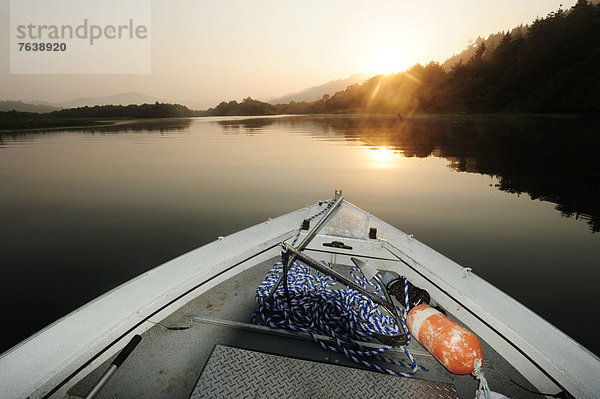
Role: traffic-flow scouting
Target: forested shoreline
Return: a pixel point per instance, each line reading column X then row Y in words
column 553, row 67
column 90, row 116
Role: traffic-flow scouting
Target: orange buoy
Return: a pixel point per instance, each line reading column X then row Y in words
column 453, row 345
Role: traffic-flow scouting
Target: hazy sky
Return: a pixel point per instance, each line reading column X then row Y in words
column 206, row 51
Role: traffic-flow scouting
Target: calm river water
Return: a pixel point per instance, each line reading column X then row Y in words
column 516, row 199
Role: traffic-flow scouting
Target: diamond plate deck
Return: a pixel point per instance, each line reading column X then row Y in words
column 239, row 373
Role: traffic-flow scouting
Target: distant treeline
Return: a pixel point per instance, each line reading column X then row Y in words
column 156, row 110
column 552, row 66
column 10, row 120
column 87, row 116
column 247, row 107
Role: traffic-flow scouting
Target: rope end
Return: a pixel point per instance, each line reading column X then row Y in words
column 483, row 384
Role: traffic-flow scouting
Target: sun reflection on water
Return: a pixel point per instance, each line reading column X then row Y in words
column 382, row 157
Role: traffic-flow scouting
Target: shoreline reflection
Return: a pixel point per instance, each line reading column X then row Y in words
column 553, row 159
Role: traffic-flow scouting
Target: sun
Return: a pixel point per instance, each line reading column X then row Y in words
column 388, row 61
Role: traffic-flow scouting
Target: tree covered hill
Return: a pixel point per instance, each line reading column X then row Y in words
column 553, row 67
column 549, row 66
column 491, row 42
column 248, row 106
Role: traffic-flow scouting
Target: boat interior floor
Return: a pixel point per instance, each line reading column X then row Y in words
column 224, row 355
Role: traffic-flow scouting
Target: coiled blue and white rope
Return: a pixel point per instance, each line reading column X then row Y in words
column 345, row 315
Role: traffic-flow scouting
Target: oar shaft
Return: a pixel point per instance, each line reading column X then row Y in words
column 105, row 377
column 114, row 366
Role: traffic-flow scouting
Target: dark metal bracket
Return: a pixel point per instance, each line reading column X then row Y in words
column 336, row 244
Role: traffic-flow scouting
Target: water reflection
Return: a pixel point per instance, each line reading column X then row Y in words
column 137, row 126
column 250, row 126
column 550, row 159
column 383, row 157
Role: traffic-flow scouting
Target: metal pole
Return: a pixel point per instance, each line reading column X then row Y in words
column 105, row 377
column 286, row 265
column 311, row 234
column 114, row 366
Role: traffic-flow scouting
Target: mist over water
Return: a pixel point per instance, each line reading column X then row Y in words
column 84, row 210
